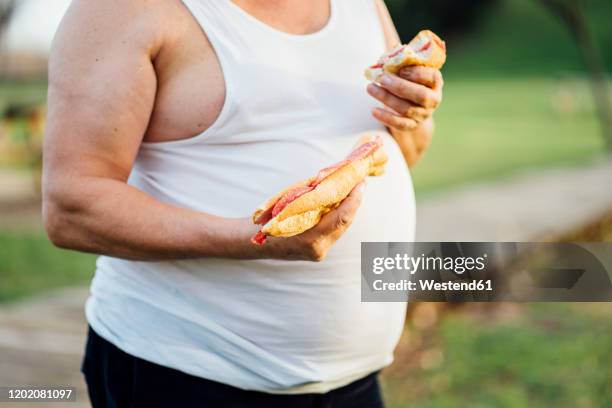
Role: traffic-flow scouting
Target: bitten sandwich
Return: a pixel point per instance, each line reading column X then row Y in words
column 301, row 206
column 426, row 49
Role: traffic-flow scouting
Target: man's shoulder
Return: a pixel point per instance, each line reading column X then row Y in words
column 120, row 10
column 130, row 22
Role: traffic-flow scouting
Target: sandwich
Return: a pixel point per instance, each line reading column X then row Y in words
column 426, row 49
column 301, row 206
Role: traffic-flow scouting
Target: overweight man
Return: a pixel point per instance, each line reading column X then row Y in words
column 168, row 122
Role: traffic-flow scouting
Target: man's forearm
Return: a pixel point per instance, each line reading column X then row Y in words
column 414, row 142
column 109, row 217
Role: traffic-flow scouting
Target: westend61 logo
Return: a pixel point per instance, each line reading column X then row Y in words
column 403, row 263
column 412, row 264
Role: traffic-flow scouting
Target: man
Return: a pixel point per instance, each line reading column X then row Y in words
column 168, row 123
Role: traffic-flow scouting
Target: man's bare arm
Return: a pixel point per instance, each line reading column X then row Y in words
column 101, row 92
column 102, row 86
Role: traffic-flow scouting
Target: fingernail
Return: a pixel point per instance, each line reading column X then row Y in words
column 372, row 89
column 385, row 80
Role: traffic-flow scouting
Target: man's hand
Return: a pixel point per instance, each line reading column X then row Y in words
column 411, row 98
column 314, row 244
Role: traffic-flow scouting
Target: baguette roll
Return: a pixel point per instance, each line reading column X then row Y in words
column 305, row 211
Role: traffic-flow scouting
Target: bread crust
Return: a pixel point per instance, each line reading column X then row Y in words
column 293, row 225
column 306, row 211
column 434, row 56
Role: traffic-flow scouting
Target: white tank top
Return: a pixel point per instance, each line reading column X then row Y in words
column 294, row 104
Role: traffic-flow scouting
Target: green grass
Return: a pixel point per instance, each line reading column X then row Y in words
column 30, row 264
column 496, row 127
column 553, row 355
column 28, row 92
column 522, row 38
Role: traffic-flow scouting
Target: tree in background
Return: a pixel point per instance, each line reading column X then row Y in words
column 7, row 10
column 571, row 13
column 446, row 17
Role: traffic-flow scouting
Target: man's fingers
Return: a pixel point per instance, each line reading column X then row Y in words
column 392, row 120
column 430, row 77
column 401, row 106
column 314, row 243
column 345, row 213
column 411, row 91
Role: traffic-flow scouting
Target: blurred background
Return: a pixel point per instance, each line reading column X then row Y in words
column 521, row 153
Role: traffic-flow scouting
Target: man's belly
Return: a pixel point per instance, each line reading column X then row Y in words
column 265, row 325
column 276, row 324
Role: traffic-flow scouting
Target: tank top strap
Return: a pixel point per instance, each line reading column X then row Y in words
column 217, row 21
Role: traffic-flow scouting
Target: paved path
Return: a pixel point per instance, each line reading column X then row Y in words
column 525, row 208
column 41, row 340
column 41, row 343
column 16, row 186
column 19, row 200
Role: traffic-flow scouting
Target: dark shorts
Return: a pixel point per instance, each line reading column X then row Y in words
column 116, row 379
